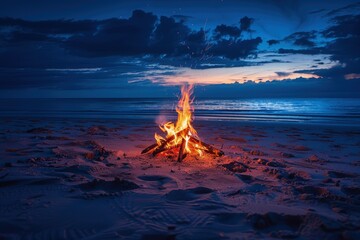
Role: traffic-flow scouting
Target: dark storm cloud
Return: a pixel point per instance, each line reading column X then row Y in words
column 226, row 31
column 51, row 26
column 235, row 49
column 342, row 39
column 350, row 7
column 116, row 36
column 76, row 54
column 28, row 49
column 303, row 39
column 344, row 47
column 230, row 44
column 169, row 35
column 273, row 42
column 141, row 34
column 344, row 26
column 245, row 23
column 18, row 37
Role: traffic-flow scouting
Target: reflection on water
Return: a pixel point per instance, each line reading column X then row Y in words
column 331, row 111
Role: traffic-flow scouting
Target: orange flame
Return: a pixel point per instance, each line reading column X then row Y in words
column 183, row 129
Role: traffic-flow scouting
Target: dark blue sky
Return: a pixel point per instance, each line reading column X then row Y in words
column 258, row 48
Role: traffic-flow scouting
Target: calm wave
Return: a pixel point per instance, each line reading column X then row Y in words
column 327, row 111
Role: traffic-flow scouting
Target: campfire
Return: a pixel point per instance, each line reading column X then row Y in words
column 181, row 137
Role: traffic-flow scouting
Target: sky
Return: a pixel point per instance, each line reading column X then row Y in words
column 144, row 48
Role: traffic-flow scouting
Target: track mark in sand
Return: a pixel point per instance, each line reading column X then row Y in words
column 188, row 194
column 76, row 169
column 62, row 233
column 117, row 185
column 211, row 205
column 21, row 198
column 338, row 174
column 230, row 218
column 26, row 190
column 150, row 213
column 29, row 181
column 160, row 182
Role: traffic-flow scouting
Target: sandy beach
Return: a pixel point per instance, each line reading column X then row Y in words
column 86, row 179
column 186, row 120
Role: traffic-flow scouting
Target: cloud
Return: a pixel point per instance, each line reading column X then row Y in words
column 182, row 18
column 72, row 47
column 303, row 39
column 353, row 7
column 235, row 49
column 283, row 74
column 344, row 47
column 245, row 23
column 57, row 54
column 168, row 36
column 344, row 26
column 51, row 26
column 116, row 37
column 342, row 39
column 143, row 33
column 311, row 51
column 273, row 42
column 226, row 31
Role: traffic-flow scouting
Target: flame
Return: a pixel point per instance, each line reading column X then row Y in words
column 182, row 130
column 182, row 135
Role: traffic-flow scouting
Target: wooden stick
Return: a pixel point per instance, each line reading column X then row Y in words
column 181, row 150
column 163, row 147
column 206, row 147
column 163, row 143
column 149, row 148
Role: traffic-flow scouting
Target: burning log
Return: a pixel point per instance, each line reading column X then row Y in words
column 161, row 149
column 196, row 143
column 164, row 145
column 149, row 148
column 181, row 155
column 181, row 135
column 206, row 147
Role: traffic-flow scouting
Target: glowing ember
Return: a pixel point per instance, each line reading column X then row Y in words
column 181, row 135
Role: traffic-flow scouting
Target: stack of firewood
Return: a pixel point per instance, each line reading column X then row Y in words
column 195, row 143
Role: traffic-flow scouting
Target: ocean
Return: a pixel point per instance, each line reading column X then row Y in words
column 336, row 111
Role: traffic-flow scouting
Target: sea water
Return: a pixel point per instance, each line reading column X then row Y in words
column 338, row 111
